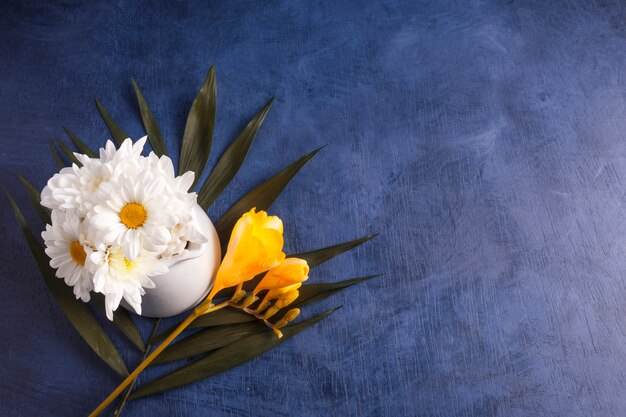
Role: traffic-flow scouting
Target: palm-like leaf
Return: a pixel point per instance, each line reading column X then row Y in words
column 68, row 152
column 123, row 321
column 225, row 358
column 55, row 155
column 75, row 310
column 208, row 340
column 198, row 134
column 80, row 145
column 118, row 134
column 231, row 160
column 150, row 124
column 313, row 293
column 261, row 197
column 35, row 199
column 319, row 256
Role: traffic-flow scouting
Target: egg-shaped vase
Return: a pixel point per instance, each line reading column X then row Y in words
column 190, row 277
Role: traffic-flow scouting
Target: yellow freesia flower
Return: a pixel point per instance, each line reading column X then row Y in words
column 275, row 293
column 290, row 271
column 283, row 301
column 255, row 246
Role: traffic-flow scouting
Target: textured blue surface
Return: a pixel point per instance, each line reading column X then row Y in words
column 484, row 139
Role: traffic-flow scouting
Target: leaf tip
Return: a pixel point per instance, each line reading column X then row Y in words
column 325, row 314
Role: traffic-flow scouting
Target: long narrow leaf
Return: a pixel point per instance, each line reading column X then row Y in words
column 322, row 255
column 313, row 293
column 80, row 145
column 150, row 124
column 208, row 340
column 35, row 199
column 123, row 321
column 225, row 358
column 231, row 160
column 118, row 134
column 55, row 155
column 68, row 152
column 262, row 197
column 75, row 310
column 221, row 317
column 198, row 134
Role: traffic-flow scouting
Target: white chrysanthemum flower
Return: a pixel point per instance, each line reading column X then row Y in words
column 117, row 277
column 128, row 151
column 133, row 212
column 181, row 235
column 164, row 167
column 69, row 251
column 62, row 190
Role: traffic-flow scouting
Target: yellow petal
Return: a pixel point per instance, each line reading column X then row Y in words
column 290, row 271
column 279, row 292
column 255, row 246
column 287, row 299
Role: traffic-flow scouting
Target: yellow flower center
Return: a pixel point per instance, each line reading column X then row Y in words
column 129, row 264
column 133, row 215
column 77, row 253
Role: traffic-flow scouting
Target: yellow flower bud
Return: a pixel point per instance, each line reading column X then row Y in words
column 255, row 246
column 291, row 315
column 288, row 317
column 287, row 299
column 290, row 271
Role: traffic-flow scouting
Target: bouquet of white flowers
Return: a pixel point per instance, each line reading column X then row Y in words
column 117, row 220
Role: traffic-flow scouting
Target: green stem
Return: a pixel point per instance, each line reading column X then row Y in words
column 120, row 407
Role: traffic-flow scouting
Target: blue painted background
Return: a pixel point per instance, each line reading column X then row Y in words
column 484, row 139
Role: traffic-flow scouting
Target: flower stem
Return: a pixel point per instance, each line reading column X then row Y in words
column 204, row 308
column 120, row 407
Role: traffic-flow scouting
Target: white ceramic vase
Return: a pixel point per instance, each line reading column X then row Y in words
column 190, row 276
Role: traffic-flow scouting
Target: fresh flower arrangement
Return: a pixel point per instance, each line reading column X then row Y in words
column 116, row 222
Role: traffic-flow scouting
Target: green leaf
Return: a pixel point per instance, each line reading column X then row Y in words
column 262, row 197
column 221, row 317
column 57, row 159
column 75, row 310
column 198, row 134
column 231, row 160
column 225, row 358
column 218, row 318
column 35, row 199
column 152, row 128
column 319, row 256
column 118, row 134
column 68, row 152
column 123, row 321
column 313, row 293
column 208, row 340
column 80, row 145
